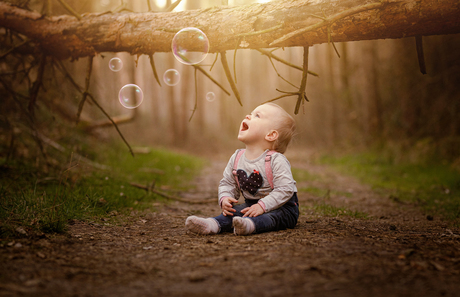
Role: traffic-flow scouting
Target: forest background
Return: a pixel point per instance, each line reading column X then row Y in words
column 373, row 95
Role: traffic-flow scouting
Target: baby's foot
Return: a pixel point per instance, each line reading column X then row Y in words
column 201, row 225
column 243, row 226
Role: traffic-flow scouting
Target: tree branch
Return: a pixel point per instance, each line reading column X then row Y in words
column 420, row 54
column 36, row 85
column 303, row 83
column 113, row 122
column 85, row 93
column 211, row 78
column 145, row 33
column 126, row 118
column 78, row 88
column 196, row 96
column 70, row 9
column 223, row 59
column 13, row 48
column 152, row 64
column 271, row 55
column 328, row 21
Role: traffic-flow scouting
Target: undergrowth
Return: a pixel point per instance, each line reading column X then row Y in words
column 32, row 201
column 322, row 207
column 435, row 187
column 325, row 209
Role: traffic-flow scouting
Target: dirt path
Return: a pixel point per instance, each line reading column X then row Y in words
column 397, row 252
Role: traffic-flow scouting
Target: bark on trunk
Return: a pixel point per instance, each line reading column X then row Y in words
column 259, row 25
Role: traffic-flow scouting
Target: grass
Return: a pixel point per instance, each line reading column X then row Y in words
column 322, row 208
column 434, row 187
column 31, row 201
column 303, row 175
column 321, row 192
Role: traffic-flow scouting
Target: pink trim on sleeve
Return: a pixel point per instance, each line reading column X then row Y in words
column 262, row 204
column 220, row 201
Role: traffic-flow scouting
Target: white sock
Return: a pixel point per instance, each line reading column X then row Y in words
column 243, row 226
column 201, row 225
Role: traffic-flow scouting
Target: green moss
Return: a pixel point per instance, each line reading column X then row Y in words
column 321, row 192
column 434, row 187
column 35, row 201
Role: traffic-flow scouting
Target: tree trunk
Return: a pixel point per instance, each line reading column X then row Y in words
column 278, row 23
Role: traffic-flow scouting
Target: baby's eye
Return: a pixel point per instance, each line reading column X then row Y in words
column 257, row 115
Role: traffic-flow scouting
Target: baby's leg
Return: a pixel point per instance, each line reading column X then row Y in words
column 226, row 222
column 243, row 226
column 203, row 226
column 279, row 219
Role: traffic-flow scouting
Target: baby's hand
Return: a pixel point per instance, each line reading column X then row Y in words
column 253, row 211
column 227, row 206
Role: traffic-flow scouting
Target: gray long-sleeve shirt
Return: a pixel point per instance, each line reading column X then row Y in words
column 253, row 180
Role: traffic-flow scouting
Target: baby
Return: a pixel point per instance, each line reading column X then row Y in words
column 262, row 174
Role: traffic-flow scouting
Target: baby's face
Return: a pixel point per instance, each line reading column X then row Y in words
column 258, row 124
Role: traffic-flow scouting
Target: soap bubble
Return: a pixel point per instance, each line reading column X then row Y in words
column 190, row 46
column 210, row 96
column 115, row 64
column 131, row 96
column 171, row 77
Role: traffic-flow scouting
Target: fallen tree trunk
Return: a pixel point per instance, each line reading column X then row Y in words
column 278, row 23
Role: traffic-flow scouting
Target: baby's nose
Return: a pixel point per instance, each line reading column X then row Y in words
column 248, row 116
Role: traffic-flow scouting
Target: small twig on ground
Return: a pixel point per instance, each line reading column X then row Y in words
column 60, row 148
column 171, row 197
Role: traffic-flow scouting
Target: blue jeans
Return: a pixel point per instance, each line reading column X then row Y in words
column 278, row 219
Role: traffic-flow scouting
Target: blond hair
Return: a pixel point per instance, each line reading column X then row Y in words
column 286, row 129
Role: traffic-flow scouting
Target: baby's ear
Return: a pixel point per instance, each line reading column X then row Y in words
column 272, row 135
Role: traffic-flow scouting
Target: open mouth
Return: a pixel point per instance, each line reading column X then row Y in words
column 244, row 126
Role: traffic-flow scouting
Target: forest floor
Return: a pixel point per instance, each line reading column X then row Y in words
column 396, row 251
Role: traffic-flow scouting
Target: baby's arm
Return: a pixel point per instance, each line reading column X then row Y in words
column 227, row 206
column 228, row 189
column 284, row 184
column 253, row 211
